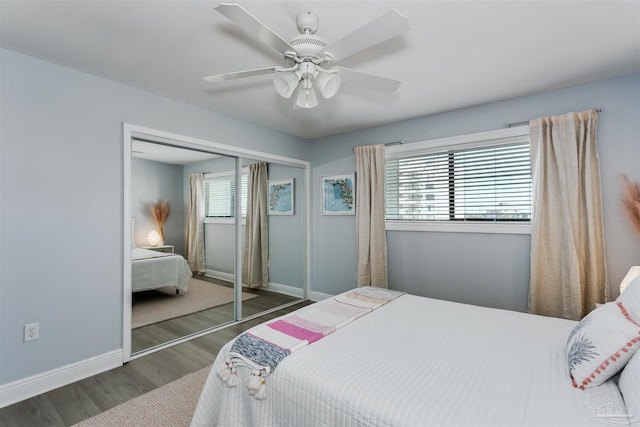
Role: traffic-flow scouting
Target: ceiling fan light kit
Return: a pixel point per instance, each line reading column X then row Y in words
column 287, row 80
column 328, row 83
column 285, row 83
column 306, row 97
column 309, row 54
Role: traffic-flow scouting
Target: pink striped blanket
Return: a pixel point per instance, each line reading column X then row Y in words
column 263, row 347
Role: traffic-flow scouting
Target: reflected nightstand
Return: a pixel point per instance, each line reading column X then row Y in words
column 167, row 249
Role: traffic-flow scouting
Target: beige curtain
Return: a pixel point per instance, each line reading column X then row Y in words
column 255, row 264
column 568, row 272
column 195, row 224
column 370, row 228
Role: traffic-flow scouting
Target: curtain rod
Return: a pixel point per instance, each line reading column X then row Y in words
column 510, row 125
column 386, row 144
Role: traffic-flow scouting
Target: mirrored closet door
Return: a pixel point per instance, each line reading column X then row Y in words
column 193, row 268
column 182, row 275
column 273, row 235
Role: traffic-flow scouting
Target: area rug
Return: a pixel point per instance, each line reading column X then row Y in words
column 154, row 306
column 170, row 405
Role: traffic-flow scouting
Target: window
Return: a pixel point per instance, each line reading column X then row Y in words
column 482, row 177
column 219, row 195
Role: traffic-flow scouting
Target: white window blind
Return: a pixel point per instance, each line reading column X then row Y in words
column 489, row 180
column 219, row 195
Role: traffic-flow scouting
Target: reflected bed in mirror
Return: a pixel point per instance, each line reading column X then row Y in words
column 151, row 269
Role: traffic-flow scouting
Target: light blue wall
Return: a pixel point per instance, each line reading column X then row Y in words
column 152, row 181
column 61, row 204
column 483, row 269
column 286, row 233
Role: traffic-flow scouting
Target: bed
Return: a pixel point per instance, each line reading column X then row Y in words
column 154, row 270
column 418, row 361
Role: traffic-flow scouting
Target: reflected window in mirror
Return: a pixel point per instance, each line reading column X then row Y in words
column 219, row 195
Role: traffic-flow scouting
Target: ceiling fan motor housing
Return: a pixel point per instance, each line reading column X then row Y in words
column 309, row 46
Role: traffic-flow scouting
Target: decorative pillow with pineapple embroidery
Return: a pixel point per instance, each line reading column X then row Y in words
column 604, row 341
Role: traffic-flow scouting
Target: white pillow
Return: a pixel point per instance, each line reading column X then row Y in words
column 629, row 385
column 604, row 341
column 633, row 272
column 631, row 299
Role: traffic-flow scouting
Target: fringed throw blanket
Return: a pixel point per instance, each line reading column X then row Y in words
column 263, row 347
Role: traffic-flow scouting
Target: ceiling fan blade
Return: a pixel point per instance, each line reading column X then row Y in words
column 240, row 74
column 389, row 25
column 381, row 84
column 253, row 26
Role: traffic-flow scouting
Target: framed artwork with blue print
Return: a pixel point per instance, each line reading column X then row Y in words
column 338, row 194
column 281, row 196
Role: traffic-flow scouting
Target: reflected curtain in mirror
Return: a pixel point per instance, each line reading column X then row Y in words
column 255, row 264
column 370, row 227
column 195, row 224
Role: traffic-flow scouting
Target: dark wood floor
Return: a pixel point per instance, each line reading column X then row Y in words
column 76, row 402
column 159, row 333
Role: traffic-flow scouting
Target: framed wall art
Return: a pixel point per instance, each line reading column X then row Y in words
column 338, row 194
column 281, row 196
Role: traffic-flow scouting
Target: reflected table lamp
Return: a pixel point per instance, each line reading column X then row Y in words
column 153, row 238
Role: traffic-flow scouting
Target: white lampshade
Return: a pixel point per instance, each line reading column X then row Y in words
column 328, row 84
column 306, row 97
column 286, row 83
column 153, row 238
column 631, row 274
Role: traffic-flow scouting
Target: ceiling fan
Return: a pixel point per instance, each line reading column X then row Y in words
column 308, row 56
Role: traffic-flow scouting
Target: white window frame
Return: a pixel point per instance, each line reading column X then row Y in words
column 224, row 220
column 461, row 141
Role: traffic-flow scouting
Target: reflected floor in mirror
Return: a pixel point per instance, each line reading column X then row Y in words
column 145, row 337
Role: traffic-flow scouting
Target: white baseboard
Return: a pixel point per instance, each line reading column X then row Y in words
column 318, row 296
column 26, row 388
column 220, row 275
column 275, row 287
column 284, row 289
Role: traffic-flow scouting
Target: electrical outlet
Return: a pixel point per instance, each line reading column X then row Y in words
column 31, row 332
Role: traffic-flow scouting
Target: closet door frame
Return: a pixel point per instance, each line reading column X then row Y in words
column 131, row 131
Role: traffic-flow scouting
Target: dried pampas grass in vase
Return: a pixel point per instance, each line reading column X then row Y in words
column 160, row 211
column 631, row 201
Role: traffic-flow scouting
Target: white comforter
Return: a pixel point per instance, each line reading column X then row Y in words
column 154, row 270
column 419, row 362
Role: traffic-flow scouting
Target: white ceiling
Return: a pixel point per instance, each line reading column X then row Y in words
column 457, row 53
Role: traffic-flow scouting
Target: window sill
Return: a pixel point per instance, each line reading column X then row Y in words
column 214, row 220
column 460, row 227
